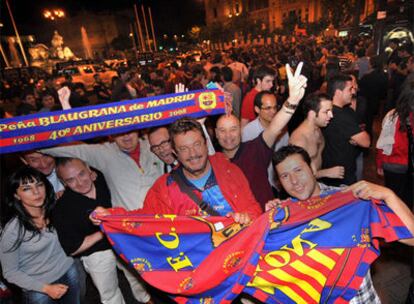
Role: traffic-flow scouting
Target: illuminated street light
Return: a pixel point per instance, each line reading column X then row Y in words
column 53, row 14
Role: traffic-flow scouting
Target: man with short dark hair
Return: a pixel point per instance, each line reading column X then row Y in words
column 318, row 112
column 45, row 164
column 343, row 134
column 292, row 165
column 230, row 87
column 265, row 106
column 48, row 102
column 28, row 104
column 160, row 145
column 263, row 77
column 239, row 69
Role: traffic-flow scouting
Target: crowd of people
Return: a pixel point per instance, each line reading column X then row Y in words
column 300, row 124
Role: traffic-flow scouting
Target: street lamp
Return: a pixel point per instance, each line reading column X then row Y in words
column 53, row 14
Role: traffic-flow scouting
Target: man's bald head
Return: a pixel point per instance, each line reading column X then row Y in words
column 228, row 133
column 227, row 118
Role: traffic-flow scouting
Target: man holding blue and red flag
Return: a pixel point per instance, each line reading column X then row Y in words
column 292, row 165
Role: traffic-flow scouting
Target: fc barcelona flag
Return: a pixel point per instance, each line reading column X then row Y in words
column 314, row 251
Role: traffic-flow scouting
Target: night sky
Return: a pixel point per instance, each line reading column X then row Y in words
column 170, row 16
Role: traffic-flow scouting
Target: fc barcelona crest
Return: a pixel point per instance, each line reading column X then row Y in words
column 207, row 100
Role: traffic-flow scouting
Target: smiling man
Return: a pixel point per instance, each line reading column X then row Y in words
column 86, row 190
column 45, row 164
column 160, row 145
column 202, row 184
column 293, row 168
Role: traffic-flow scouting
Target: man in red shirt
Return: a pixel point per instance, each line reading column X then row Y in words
column 264, row 77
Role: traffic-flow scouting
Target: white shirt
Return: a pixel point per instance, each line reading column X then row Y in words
column 54, row 180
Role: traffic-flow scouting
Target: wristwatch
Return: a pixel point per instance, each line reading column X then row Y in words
column 290, row 106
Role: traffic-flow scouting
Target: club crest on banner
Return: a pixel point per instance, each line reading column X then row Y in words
column 232, row 261
column 207, row 301
column 129, row 225
column 207, row 101
column 141, row 265
column 314, row 203
column 186, row 284
column 364, row 239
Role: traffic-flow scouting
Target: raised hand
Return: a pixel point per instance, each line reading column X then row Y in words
column 297, row 83
column 64, row 95
column 180, row 88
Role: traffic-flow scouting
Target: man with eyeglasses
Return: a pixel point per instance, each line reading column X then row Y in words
column 265, row 106
column 160, row 145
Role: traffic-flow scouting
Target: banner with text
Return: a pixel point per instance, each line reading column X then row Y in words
column 48, row 129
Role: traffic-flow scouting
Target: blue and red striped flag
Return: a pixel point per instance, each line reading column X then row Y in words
column 311, row 251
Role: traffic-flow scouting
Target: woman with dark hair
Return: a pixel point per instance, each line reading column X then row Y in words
column 395, row 146
column 30, row 253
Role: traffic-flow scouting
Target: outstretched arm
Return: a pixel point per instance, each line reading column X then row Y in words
column 367, row 190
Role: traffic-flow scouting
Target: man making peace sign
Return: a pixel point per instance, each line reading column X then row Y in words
column 254, row 156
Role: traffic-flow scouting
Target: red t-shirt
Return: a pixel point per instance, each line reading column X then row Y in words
column 247, row 111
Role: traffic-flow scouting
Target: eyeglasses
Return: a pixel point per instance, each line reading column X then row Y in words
column 268, row 108
column 186, row 149
column 162, row 145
